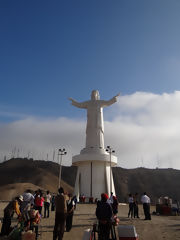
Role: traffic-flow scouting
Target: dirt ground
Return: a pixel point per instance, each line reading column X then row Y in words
column 160, row 227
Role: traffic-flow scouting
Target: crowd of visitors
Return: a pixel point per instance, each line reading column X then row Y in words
column 28, row 208
column 133, row 206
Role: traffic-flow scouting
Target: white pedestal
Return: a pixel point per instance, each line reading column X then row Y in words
column 93, row 175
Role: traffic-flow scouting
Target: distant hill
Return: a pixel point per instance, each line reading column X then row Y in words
column 156, row 182
column 16, row 175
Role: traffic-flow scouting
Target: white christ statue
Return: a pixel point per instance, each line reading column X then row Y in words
column 95, row 123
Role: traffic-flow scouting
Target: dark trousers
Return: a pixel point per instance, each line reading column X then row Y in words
column 136, row 211
column 69, row 220
column 34, row 227
column 104, row 230
column 46, row 209
column 5, row 230
column 131, row 209
column 39, row 208
column 146, row 207
column 60, row 219
column 52, row 207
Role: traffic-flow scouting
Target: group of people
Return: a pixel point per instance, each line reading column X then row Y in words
column 28, row 208
column 133, row 206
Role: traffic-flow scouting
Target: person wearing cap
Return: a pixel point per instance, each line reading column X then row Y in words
column 104, row 214
column 28, row 199
column 12, row 207
column 60, row 214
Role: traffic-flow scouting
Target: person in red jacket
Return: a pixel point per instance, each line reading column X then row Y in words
column 39, row 200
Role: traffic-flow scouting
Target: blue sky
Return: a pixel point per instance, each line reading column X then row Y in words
column 52, row 50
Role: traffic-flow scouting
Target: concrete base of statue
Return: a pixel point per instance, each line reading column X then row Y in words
column 93, row 175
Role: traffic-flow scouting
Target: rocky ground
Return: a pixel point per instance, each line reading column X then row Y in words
column 160, row 227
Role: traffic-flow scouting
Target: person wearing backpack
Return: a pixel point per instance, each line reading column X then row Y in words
column 104, row 214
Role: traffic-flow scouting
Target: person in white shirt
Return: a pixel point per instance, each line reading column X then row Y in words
column 47, row 202
column 28, row 200
column 146, row 206
column 111, row 198
column 131, row 205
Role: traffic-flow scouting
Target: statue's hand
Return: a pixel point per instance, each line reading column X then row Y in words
column 117, row 95
column 70, row 99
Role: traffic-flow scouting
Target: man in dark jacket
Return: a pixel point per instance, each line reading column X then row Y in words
column 104, row 214
column 60, row 215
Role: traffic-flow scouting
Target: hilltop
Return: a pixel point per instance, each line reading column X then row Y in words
column 156, row 182
column 16, row 175
column 19, row 174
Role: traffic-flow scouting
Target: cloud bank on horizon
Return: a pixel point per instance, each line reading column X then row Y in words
column 143, row 128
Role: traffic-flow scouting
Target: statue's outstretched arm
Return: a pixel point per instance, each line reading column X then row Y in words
column 111, row 101
column 77, row 104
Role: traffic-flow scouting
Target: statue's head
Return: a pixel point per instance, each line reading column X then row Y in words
column 95, row 95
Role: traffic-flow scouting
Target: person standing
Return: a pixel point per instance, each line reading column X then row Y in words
column 111, row 198
column 47, row 202
column 75, row 201
column 131, row 205
column 28, row 199
column 52, row 203
column 115, row 205
column 104, row 215
column 70, row 213
column 60, row 214
column 10, row 209
column 39, row 200
column 136, row 208
column 146, row 206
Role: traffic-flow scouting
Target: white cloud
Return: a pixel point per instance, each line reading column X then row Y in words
column 144, row 130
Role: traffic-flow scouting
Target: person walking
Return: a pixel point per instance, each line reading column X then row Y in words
column 60, row 215
column 146, row 206
column 47, row 201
